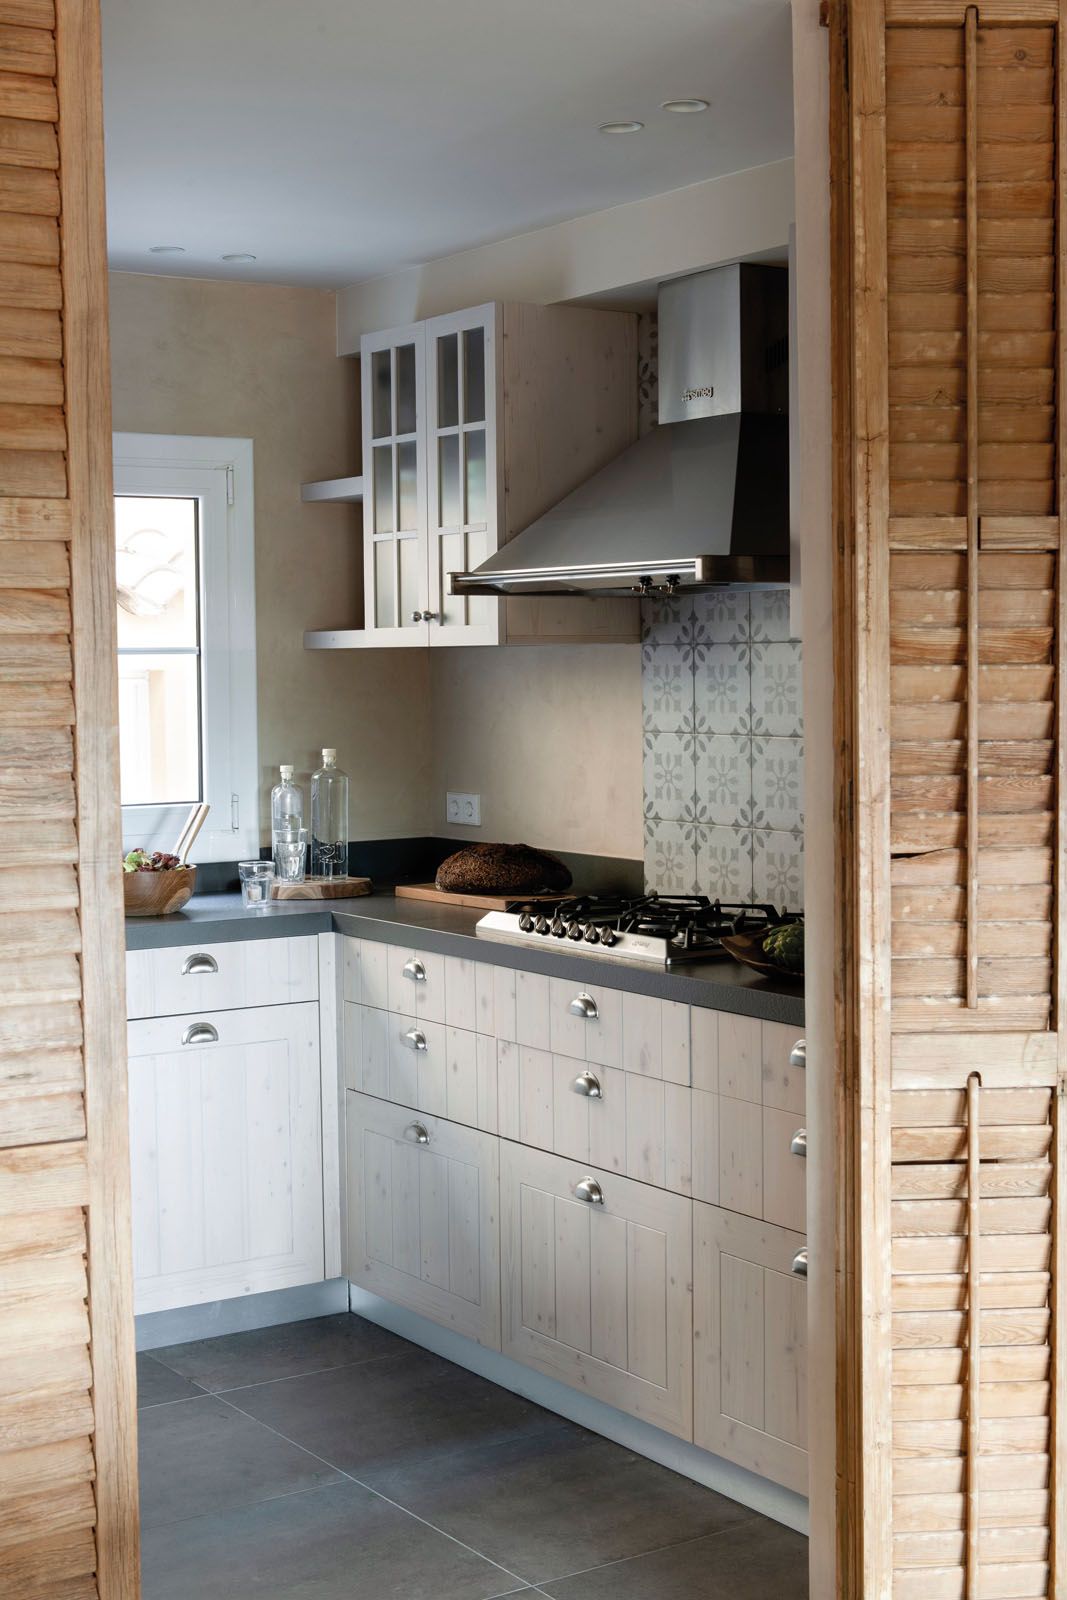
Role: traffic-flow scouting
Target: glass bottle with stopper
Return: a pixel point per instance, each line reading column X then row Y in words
column 329, row 819
column 288, row 835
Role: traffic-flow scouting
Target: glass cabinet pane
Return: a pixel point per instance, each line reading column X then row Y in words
column 448, row 380
column 475, row 451
column 383, row 489
column 382, row 393
column 407, row 477
column 474, row 375
column 385, row 584
column 406, row 402
column 449, row 510
column 408, row 550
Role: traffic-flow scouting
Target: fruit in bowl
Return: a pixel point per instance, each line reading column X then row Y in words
column 155, row 883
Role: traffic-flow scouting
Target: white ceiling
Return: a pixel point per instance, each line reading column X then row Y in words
column 340, row 139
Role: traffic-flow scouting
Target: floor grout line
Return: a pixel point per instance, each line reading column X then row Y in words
column 379, row 1496
column 639, row 1555
column 248, row 1505
column 316, row 1372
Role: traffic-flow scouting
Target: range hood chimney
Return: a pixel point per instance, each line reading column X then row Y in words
column 702, row 501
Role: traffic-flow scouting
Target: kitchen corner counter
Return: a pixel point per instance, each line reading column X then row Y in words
column 450, row 930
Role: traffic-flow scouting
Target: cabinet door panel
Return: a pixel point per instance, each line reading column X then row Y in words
column 750, row 1325
column 394, row 502
column 464, row 474
column 226, row 1150
column 423, row 1218
column 598, row 1295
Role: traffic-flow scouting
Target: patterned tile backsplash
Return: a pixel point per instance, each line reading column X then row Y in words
column 723, row 747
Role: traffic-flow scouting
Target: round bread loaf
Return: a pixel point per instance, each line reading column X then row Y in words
column 502, row 869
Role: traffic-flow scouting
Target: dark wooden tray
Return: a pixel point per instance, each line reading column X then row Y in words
column 748, row 949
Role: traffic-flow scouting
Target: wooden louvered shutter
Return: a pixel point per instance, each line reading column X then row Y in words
column 68, row 1506
column 950, row 261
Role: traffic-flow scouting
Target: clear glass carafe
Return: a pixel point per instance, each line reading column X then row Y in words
column 287, row 835
column 329, row 819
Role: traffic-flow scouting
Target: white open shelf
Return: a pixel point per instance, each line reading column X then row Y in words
column 349, row 489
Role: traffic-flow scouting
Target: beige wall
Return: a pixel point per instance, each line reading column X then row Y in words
column 549, row 736
column 260, row 362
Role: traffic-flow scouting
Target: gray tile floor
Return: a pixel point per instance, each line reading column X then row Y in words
column 330, row 1460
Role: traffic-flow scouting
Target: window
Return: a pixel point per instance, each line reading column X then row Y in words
column 186, row 640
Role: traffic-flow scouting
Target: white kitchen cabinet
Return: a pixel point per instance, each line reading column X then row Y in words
column 474, row 424
column 750, row 1326
column 423, row 1220
column 226, row 1154
column 596, row 1284
column 217, row 977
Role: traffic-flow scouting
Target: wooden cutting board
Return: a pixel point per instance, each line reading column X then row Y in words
column 322, row 889
column 475, row 902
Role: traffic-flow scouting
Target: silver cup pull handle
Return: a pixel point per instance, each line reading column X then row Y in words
column 420, row 1133
column 799, row 1266
column 193, row 966
column 798, row 1144
column 415, row 1038
column 583, row 1005
column 415, row 970
column 589, row 1190
column 798, row 1054
column 588, row 1083
column 200, row 1033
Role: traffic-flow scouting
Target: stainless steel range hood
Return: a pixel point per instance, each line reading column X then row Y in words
column 702, row 501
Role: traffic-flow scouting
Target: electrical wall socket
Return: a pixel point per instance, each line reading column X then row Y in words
column 465, row 809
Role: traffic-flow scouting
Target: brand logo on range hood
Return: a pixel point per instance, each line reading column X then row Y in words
column 706, row 392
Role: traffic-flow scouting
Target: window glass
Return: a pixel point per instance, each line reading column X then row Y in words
column 160, row 711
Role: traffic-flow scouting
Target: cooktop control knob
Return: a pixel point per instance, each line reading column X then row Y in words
column 608, row 937
column 573, row 930
column 526, row 922
column 592, row 934
column 541, row 925
column 556, row 928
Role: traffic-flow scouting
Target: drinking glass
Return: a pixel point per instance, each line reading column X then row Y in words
column 257, row 881
column 290, row 856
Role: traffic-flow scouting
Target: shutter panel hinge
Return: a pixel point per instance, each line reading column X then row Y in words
column 229, row 485
column 235, row 812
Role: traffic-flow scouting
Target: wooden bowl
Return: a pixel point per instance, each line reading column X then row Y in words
column 157, row 894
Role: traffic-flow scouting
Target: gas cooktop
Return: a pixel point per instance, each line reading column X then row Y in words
column 660, row 928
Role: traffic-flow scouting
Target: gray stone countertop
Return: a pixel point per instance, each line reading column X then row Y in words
column 450, row 930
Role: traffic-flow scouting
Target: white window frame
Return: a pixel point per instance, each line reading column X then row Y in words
column 218, row 473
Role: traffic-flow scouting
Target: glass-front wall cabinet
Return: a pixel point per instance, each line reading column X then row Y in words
column 430, row 478
column 394, row 505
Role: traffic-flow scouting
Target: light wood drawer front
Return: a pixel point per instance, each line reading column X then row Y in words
column 618, row 1120
column 596, row 1291
column 784, row 1174
column 750, row 1322
column 588, row 1022
column 217, row 977
column 423, row 1220
column 443, row 1071
column 421, row 984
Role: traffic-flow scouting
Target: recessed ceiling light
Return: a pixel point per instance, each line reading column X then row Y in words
column 621, row 127
column 684, row 106
column 238, row 255
column 166, row 249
